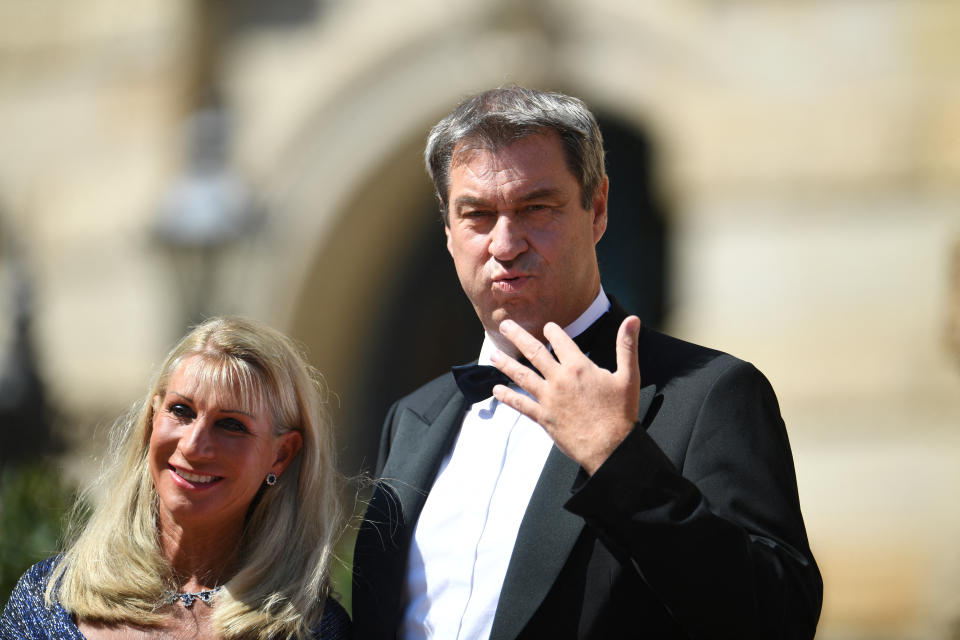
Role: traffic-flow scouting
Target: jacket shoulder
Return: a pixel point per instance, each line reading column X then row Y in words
column 664, row 358
column 685, row 372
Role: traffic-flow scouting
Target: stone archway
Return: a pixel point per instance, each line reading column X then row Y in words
column 351, row 203
column 381, row 310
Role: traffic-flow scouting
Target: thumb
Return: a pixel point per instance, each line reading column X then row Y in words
column 627, row 350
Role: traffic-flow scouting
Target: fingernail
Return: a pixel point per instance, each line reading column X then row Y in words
column 507, row 325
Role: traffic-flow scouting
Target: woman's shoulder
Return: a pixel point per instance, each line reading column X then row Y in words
column 40, row 572
column 33, row 583
column 26, row 615
column 335, row 623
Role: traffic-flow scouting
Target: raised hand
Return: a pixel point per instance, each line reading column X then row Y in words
column 586, row 409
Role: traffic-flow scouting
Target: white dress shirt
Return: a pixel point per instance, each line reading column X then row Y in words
column 465, row 535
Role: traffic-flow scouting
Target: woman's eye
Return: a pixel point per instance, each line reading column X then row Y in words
column 181, row 411
column 233, row 425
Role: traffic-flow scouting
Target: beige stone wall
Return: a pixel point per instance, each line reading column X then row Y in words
column 91, row 99
column 811, row 152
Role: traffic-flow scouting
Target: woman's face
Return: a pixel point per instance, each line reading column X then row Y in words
column 209, row 454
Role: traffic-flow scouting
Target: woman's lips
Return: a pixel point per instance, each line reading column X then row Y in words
column 192, row 479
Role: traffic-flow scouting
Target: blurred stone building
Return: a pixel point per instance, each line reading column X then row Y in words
column 791, row 170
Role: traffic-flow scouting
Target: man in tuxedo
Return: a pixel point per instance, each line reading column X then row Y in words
column 618, row 483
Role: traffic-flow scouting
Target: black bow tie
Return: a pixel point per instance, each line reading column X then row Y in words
column 476, row 381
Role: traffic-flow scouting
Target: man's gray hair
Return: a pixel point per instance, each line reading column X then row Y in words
column 496, row 118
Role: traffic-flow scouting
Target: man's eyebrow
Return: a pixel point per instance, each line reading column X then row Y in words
column 470, row 201
column 539, row 194
column 190, row 400
column 536, row 194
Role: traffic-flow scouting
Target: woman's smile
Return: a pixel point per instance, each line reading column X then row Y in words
column 205, row 480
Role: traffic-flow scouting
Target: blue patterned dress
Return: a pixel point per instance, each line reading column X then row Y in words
column 26, row 615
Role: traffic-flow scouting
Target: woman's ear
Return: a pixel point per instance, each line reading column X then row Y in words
column 288, row 447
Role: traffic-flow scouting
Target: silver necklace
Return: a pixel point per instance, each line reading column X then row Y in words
column 189, row 597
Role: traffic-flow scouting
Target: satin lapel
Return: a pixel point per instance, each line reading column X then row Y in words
column 416, row 452
column 604, row 348
column 547, row 534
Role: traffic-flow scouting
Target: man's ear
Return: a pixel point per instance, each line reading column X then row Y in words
column 600, row 210
column 446, row 231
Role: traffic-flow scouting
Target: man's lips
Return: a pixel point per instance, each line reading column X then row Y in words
column 507, row 284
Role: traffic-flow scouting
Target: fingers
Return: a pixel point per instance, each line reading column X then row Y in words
column 563, row 345
column 524, row 377
column 627, row 340
column 532, row 349
column 523, row 404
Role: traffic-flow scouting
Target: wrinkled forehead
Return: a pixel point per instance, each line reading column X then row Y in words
column 493, row 141
column 225, row 381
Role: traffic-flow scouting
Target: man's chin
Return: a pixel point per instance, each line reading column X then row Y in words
column 532, row 325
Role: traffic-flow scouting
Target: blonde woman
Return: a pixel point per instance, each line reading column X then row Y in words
column 219, row 507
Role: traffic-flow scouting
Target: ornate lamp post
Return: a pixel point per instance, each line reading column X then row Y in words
column 206, row 209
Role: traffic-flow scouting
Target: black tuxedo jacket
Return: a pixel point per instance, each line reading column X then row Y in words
column 691, row 529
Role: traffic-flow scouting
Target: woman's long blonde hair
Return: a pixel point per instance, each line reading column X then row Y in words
column 114, row 571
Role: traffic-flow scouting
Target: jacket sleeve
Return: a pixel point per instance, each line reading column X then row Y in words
column 721, row 539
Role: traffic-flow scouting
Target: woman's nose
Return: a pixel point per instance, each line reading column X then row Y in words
column 196, row 443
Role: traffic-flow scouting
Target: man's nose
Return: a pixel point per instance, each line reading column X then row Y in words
column 507, row 238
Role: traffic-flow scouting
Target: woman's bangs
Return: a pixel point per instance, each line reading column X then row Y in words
column 231, row 382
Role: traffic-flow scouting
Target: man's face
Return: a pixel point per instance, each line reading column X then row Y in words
column 521, row 241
